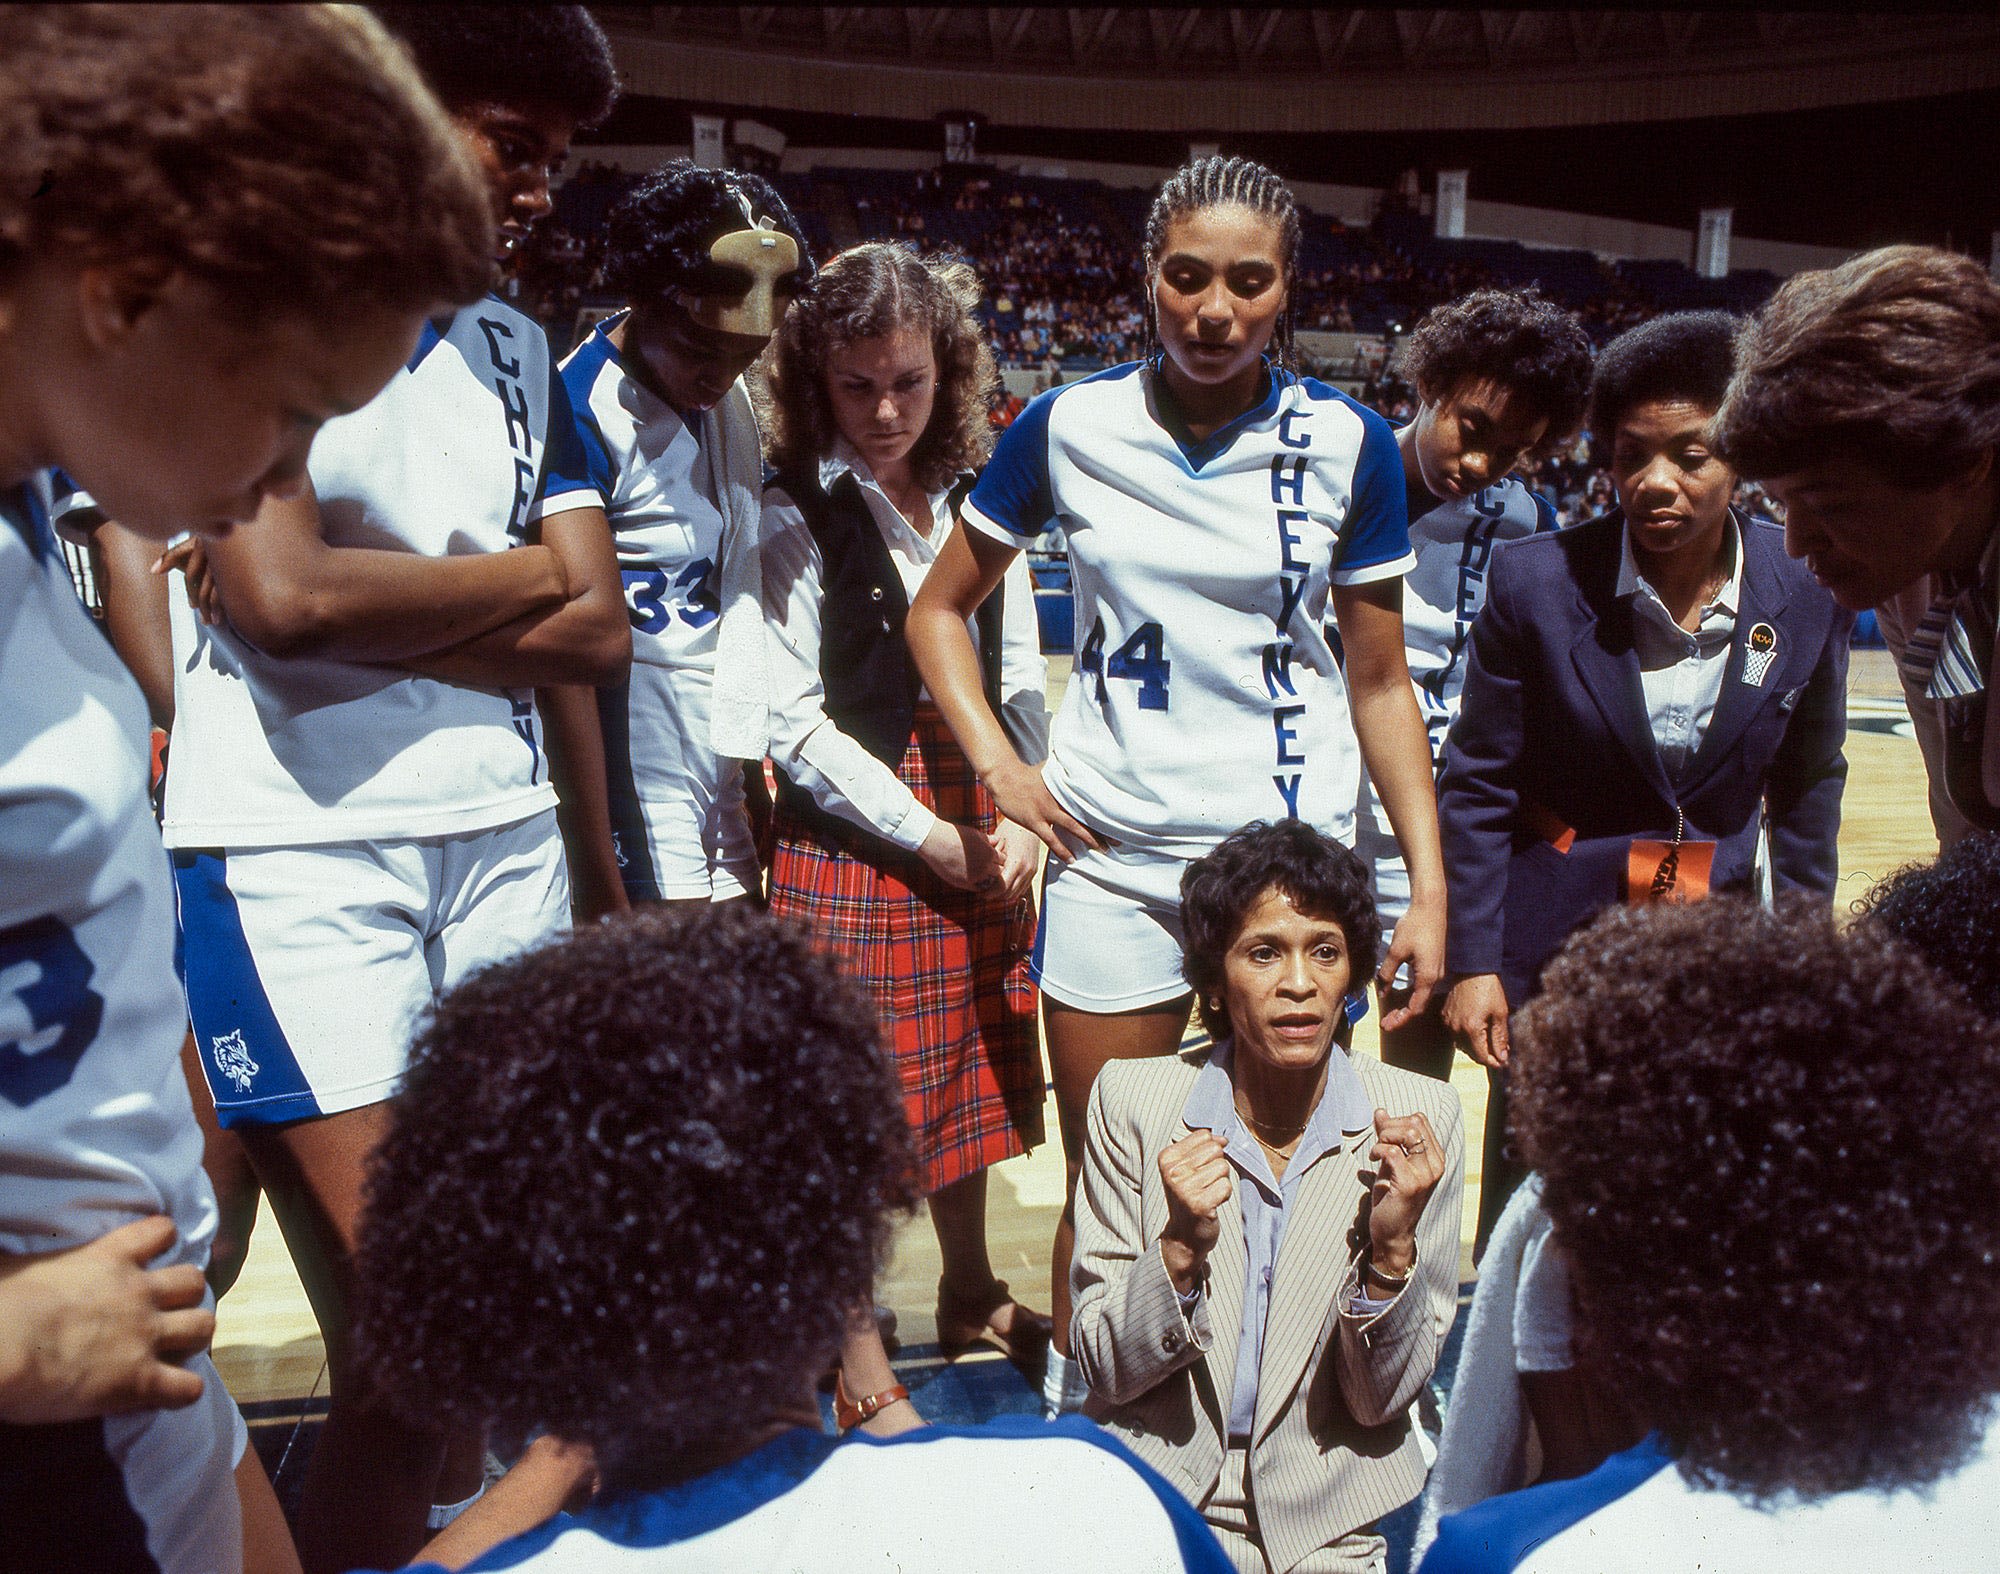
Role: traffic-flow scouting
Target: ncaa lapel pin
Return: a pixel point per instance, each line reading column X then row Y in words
column 1759, row 651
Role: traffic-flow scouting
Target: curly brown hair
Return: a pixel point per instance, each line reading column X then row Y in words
column 864, row 293
column 636, row 1180
column 1769, row 1148
column 1892, row 358
column 288, row 155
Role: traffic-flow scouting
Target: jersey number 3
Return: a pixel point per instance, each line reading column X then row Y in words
column 1142, row 659
column 647, row 589
column 48, row 1011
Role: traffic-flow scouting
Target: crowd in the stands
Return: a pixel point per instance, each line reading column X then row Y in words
column 1056, row 256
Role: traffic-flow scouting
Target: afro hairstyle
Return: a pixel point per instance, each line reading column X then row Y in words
column 1322, row 878
column 1516, row 338
column 1683, row 355
column 660, row 231
column 510, row 54
column 1769, row 1148
column 637, row 1179
column 1949, row 909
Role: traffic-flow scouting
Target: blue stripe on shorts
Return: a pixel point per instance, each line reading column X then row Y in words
column 245, row 1055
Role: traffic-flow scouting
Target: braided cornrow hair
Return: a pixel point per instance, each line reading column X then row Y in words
column 1221, row 182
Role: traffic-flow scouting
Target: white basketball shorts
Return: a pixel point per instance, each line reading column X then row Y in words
column 1110, row 933
column 307, row 967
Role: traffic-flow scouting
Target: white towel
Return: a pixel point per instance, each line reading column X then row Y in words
column 740, row 716
column 1487, row 1446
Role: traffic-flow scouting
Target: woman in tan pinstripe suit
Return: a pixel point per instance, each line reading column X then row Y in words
column 1267, row 1237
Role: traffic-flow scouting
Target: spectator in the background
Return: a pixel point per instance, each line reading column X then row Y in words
column 1868, row 401
column 1768, row 1149
column 1644, row 695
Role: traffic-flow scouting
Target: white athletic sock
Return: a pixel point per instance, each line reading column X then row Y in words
column 442, row 1514
column 1063, row 1387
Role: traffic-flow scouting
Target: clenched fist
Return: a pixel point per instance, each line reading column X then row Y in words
column 1198, row 1183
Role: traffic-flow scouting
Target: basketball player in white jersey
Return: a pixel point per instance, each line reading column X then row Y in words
column 219, row 228
column 1501, row 374
column 1219, row 510
column 359, row 805
column 709, row 260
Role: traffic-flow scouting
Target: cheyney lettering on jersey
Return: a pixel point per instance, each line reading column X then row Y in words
column 1454, row 545
column 469, row 445
column 95, row 1125
column 1206, row 693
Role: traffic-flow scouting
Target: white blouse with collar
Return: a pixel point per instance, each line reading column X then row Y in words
column 842, row 776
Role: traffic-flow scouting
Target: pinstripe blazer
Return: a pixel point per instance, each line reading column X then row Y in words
column 1332, row 1447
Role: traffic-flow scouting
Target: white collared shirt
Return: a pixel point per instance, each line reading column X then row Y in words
column 842, row 776
column 1681, row 672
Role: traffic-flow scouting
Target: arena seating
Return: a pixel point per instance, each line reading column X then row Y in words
column 1059, row 259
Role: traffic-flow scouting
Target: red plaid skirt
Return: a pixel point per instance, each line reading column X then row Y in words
column 948, row 968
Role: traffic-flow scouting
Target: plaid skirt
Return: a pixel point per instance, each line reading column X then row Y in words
column 948, row 968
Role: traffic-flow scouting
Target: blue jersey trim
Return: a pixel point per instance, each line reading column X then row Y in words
column 1377, row 528
column 698, row 1507
column 1545, row 513
column 1496, row 1537
column 1197, row 452
column 30, row 520
column 1200, row 1552
column 226, row 999
column 579, row 374
column 1013, row 490
column 565, row 469
column 427, row 340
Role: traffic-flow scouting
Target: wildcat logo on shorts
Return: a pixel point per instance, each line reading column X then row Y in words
column 1759, row 651
column 232, row 1059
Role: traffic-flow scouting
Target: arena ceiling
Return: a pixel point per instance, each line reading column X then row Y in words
column 1298, row 69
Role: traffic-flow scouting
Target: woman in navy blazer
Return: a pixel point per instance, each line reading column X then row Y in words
column 1592, row 717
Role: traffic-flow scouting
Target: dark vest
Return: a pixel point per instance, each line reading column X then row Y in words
column 864, row 663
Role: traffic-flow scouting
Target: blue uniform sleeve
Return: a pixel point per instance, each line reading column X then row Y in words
column 1200, row 1552
column 577, row 379
column 1545, row 513
column 1498, row 1536
column 565, row 467
column 1013, row 501
column 1375, row 537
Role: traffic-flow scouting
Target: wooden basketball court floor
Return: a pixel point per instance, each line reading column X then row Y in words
column 268, row 1348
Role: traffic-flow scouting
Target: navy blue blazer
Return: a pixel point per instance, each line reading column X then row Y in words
column 1554, row 719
